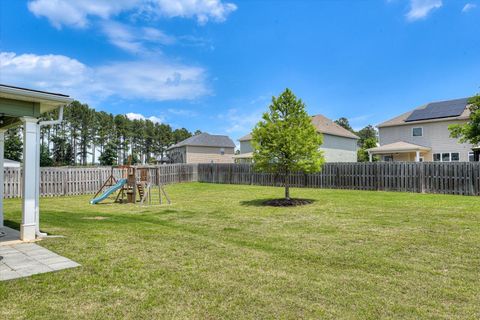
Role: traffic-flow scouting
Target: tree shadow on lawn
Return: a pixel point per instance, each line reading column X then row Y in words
column 277, row 202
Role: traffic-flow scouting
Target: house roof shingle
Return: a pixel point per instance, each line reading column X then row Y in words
column 206, row 140
column 323, row 125
column 401, row 119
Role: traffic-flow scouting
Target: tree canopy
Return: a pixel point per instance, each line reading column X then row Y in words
column 343, row 122
column 86, row 132
column 285, row 140
column 470, row 131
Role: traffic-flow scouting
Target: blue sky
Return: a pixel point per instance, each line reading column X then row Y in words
column 213, row 65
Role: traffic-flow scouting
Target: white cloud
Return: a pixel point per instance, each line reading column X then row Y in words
column 139, row 116
column 141, row 80
column 468, row 7
column 202, row 10
column 76, row 13
column 420, row 9
column 134, row 39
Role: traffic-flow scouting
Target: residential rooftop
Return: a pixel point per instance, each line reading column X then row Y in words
column 323, row 125
column 448, row 110
column 206, row 140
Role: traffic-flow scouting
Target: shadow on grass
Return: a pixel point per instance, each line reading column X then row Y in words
column 12, row 224
column 265, row 202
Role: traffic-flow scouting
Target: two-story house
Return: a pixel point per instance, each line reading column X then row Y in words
column 422, row 134
column 339, row 144
column 202, row 148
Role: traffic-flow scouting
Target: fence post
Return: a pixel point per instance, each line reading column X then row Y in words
column 471, row 189
column 422, row 177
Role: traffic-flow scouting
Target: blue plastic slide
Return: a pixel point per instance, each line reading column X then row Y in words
column 109, row 191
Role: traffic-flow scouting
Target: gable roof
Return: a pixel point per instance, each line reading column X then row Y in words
column 323, row 125
column 431, row 112
column 206, row 140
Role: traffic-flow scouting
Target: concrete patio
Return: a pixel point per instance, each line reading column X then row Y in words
column 26, row 259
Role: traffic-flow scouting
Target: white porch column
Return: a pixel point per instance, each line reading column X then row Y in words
column 2, row 150
column 28, row 226
column 417, row 156
column 37, row 185
column 370, row 157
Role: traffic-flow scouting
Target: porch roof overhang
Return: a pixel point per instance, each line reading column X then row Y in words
column 247, row 155
column 16, row 102
column 398, row 147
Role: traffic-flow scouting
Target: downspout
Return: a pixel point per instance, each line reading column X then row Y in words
column 37, row 178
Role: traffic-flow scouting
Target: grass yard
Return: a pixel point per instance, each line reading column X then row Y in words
column 215, row 253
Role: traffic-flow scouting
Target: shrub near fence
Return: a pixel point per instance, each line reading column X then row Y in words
column 63, row 181
column 461, row 178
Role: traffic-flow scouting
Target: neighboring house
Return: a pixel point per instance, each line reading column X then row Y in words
column 202, row 148
column 339, row 144
column 422, row 134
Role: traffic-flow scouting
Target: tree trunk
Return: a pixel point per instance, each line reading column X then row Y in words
column 287, row 186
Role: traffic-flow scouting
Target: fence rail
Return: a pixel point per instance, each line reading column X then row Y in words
column 462, row 178
column 63, row 181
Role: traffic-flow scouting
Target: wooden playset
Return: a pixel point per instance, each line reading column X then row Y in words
column 136, row 185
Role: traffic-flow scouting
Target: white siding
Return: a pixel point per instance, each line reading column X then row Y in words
column 435, row 135
column 339, row 149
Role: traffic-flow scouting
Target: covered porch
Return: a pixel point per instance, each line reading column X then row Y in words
column 243, row 157
column 23, row 107
column 400, row 151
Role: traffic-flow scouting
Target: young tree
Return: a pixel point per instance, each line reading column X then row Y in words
column 470, row 131
column 285, row 140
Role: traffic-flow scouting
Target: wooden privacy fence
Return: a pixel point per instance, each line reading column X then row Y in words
column 63, row 181
column 461, row 178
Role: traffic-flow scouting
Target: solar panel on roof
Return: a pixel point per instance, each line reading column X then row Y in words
column 437, row 110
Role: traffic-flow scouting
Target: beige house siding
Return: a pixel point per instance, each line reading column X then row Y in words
column 245, row 146
column 435, row 135
column 178, row 155
column 196, row 154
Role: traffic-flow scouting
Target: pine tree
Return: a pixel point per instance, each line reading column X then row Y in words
column 13, row 145
column 109, row 155
column 286, row 141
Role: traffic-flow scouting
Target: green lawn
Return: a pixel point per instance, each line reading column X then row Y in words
column 215, row 253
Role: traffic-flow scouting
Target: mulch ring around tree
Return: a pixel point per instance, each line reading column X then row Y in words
column 287, row 202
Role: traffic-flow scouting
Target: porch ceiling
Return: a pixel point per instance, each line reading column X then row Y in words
column 18, row 102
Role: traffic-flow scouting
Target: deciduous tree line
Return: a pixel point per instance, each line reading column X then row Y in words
column 87, row 136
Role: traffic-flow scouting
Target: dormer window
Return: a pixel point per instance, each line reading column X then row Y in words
column 417, row 132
